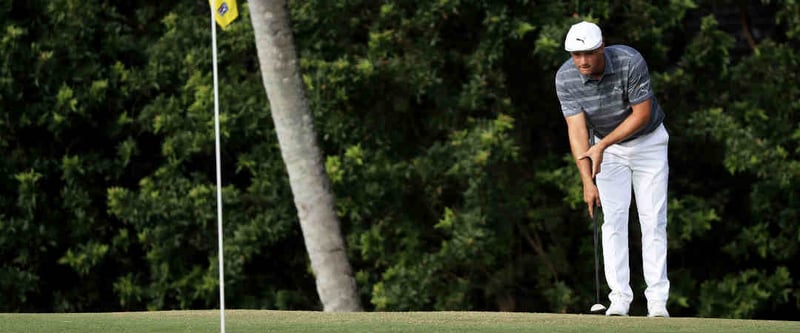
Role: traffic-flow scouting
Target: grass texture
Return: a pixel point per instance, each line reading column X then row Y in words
column 253, row 321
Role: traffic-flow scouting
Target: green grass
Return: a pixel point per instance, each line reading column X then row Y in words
column 252, row 321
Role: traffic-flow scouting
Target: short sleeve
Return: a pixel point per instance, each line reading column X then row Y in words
column 639, row 89
column 569, row 105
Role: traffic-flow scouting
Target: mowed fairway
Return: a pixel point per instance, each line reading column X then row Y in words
column 253, row 321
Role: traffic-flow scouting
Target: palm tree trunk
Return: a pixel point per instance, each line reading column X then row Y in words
column 301, row 154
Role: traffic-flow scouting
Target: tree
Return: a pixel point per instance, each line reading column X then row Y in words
column 301, row 154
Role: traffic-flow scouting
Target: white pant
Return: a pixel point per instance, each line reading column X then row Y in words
column 642, row 164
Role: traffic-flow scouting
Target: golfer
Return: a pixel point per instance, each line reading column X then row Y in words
column 607, row 89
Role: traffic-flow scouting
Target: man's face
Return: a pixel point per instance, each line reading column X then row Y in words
column 589, row 62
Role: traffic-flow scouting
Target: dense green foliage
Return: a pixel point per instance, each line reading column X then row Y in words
column 444, row 143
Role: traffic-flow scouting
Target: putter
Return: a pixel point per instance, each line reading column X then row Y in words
column 597, row 307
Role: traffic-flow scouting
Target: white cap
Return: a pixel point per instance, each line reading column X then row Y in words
column 584, row 36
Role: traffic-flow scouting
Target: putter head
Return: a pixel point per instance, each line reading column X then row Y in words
column 598, row 307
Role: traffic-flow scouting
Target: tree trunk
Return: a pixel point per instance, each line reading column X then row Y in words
column 310, row 184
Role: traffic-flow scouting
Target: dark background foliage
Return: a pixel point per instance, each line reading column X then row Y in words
column 443, row 140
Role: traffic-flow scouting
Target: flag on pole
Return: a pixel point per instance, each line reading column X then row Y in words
column 225, row 11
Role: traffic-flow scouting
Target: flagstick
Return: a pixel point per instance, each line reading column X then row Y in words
column 219, row 172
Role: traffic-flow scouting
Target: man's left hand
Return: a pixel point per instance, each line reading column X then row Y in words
column 595, row 156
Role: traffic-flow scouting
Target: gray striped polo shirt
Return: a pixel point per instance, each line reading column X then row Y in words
column 607, row 102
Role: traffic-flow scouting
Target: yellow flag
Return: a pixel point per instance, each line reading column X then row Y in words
column 225, row 12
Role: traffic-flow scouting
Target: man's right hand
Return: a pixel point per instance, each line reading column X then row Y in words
column 591, row 196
